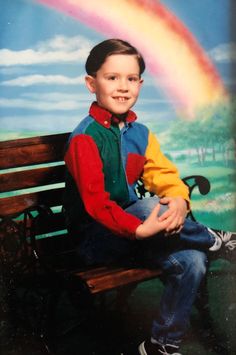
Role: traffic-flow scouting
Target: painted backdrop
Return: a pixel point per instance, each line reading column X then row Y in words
column 188, row 97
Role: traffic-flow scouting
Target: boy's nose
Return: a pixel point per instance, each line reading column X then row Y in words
column 123, row 85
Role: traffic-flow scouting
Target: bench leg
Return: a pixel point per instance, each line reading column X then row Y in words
column 208, row 335
column 122, row 297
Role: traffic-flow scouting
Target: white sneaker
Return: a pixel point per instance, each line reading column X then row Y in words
column 152, row 347
column 225, row 243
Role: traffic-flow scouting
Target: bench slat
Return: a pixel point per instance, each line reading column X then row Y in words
column 107, row 278
column 31, row 151
column 16, row 204
column 47, row 139
column 32, row 178
column 27, row 155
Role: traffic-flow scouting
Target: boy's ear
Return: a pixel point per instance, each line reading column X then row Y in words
column 90, row 83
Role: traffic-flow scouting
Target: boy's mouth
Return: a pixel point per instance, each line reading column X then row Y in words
column 121, row 98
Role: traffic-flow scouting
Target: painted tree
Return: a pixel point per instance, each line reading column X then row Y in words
column 210, row 132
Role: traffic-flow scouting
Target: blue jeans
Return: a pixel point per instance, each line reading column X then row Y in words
column 182, row 258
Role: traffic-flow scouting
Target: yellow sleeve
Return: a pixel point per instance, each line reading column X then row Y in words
column 160, row 175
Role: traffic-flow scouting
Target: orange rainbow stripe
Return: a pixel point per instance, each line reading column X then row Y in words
column 173, row 56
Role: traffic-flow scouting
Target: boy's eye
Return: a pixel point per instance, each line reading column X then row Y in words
column 133, row 78
column 112, row 77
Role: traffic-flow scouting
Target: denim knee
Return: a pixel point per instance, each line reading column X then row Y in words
column 143, row 208
column 187, row 262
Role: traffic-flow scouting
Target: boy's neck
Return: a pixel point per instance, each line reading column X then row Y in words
column 120, row 119
column 121, row 124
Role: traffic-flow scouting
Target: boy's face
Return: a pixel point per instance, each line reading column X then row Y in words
column 117, row 83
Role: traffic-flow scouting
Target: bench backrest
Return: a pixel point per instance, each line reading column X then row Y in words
column 32, row 174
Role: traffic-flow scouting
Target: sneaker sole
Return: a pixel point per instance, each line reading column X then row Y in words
column 141, row 349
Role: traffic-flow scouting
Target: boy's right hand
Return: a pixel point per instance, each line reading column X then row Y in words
column 151, row 226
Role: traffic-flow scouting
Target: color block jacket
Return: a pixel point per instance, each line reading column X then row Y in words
column 104, row 164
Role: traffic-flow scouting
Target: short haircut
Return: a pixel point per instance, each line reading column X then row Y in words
column 102, row 50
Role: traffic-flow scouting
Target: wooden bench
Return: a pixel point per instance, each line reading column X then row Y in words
column 34, row 240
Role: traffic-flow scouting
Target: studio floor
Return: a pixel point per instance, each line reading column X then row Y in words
column 114, row 331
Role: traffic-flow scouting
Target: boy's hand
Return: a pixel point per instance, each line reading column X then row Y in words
column 175, row 215
column 152, row 225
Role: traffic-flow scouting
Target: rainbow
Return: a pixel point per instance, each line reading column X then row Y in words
column 173, row 56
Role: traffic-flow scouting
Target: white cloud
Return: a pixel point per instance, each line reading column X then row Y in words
column 29, row 80
column 41, row 122
column 59, row 49
column 64, row 43
column 17, row 70
column 224, row 53
column 42, row 105
column 57, row 96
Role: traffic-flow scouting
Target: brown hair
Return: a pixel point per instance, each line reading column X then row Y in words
column 101, row 51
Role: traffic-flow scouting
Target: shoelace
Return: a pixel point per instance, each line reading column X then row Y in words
column 226, row 238
column 231, row 245
column 164, row 351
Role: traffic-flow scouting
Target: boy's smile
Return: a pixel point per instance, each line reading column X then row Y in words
column 117, row 83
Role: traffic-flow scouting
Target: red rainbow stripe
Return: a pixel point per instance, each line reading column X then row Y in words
column 178, row 63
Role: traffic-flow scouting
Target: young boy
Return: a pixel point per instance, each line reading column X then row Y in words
column 107, row 154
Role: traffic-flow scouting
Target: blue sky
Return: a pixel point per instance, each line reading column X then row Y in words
column 42, row 55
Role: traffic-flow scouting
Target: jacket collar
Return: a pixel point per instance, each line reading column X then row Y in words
column 105, row 117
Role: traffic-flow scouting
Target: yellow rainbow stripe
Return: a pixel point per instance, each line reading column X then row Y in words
column 180, row 66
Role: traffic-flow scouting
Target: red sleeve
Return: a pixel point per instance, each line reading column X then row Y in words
column 84, row 163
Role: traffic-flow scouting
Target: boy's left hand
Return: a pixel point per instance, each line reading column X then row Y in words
column 176, row 213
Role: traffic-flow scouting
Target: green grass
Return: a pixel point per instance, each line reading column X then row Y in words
column 218, row 208
column 225, row 220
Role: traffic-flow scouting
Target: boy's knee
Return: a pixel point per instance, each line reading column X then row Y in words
column 143, row 208
column 195, row 262
column 189, row 262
